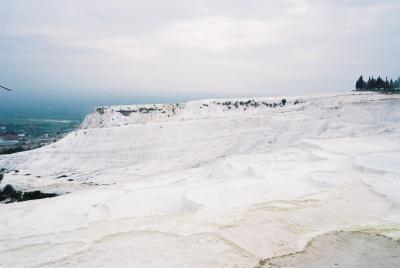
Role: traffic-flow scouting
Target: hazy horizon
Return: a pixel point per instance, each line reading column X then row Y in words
column 16, row 105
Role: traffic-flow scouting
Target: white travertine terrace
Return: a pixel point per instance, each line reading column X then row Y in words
column 211, row 183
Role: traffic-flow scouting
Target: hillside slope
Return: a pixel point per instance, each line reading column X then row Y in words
column 208, row 183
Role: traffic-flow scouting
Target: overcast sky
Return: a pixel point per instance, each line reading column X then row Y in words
column 192, row 49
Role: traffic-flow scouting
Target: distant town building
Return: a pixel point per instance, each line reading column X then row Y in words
column 9, row 137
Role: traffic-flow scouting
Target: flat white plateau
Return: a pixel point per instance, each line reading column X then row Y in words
column 212, row 183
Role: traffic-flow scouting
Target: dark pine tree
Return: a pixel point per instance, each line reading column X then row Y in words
column 360, row 84
column 380, row 84
column 369, row 83
column 391, row 84
column 373, row 83
column 387, row 84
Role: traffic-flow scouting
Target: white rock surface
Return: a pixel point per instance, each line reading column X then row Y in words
column 343, row 249
column 212, row 183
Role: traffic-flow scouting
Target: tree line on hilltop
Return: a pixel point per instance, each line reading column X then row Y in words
column 378, row 84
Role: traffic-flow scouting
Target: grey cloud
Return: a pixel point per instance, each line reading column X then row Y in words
column 181, row 47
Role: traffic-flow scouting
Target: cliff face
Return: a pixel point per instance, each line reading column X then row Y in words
column 111, row 116
column 108, row 116
column 213, row 182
